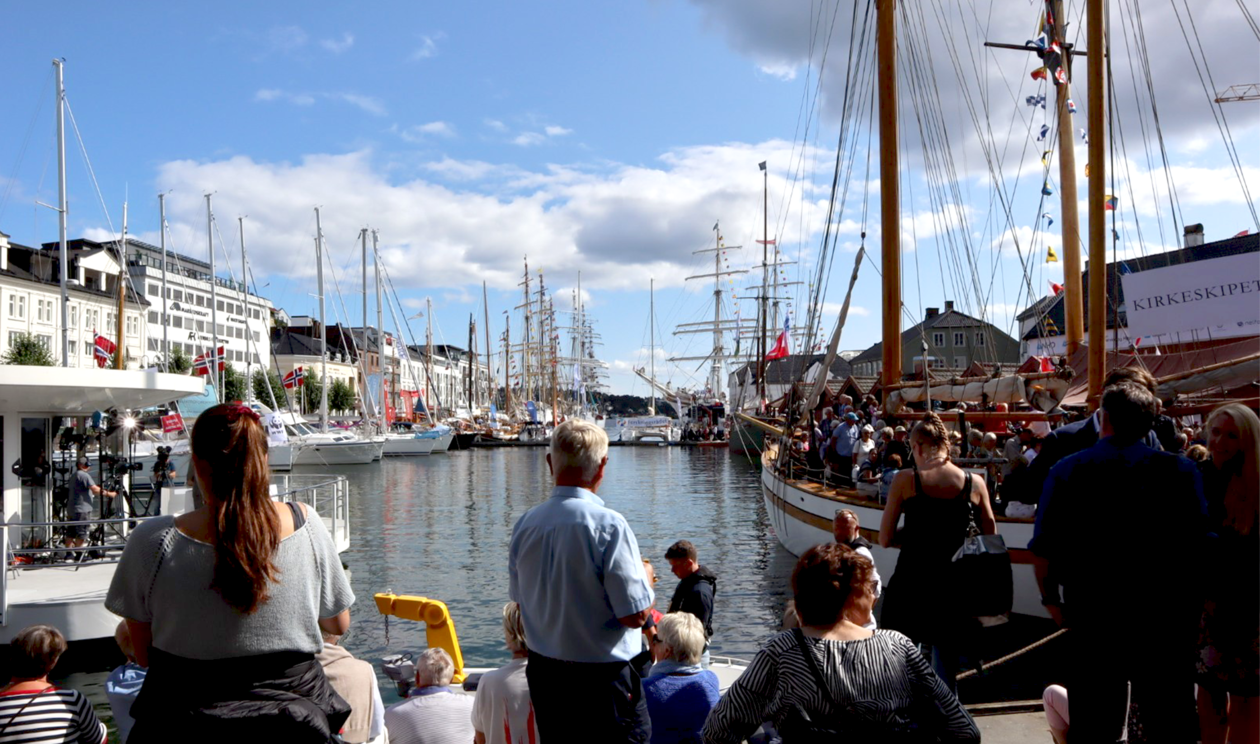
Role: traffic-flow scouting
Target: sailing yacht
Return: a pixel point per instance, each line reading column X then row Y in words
column 321, row 446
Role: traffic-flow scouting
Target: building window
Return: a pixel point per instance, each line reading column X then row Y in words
column 74, row 316
column 153, row 344
column 257, row 338
column 177, row 295
column 13, row 337
column 960, row 362
column 979, row 338
column 218, row 305
column 959, row 338
column 201, row 326
column 17, row 307
column 177, row 321
column 938, row 339
column 74, row 347
column 153, row 316
column 155, row 290
column 199, row 301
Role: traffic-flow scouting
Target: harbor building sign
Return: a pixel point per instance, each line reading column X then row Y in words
column 1213, row 298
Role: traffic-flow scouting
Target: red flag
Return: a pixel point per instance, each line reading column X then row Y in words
column 172, row 423
column 208, row 362
column 1243, row 234
column 104, row 349
column 1056, row 288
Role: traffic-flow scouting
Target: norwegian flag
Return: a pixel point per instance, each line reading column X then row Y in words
column 104, row 350
column 296, row 378
column 780, row 349
column 206, row 363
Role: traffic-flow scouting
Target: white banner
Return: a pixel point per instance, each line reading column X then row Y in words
column 276, row 433
column 1213, row 298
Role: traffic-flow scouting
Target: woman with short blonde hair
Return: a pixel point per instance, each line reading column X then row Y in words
column 678, row 692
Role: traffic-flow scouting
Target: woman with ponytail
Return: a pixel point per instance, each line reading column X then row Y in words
column 226, row 604
column 939, row 500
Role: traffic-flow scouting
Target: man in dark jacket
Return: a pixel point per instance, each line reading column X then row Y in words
column 696, row 587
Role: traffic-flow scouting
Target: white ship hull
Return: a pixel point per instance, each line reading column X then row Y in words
column 408, row 444
column 344, row 452
column 801, row 513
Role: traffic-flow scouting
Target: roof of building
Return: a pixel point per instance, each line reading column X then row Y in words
column 949, row 318
column 1053, row 321
column 792, row 368
column 20, row 264
column 290, row 342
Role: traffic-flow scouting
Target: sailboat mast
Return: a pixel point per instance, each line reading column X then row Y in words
column 715, row 373
column 1072, row 292
column 652, row 342
column 1095, row 10
column 765, row 283
column 380, row 329
column 122, row 294
column 63, row 207
column 485, row 305
column 215, row 360
column 166, row 342
column 249, row 388
column 363, row 263
column 472, row 360
column 323, row 329
column 507, row 363
column 889, row 188
column 428, row 342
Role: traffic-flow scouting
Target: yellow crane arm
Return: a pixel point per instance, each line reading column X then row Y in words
column 439, row 627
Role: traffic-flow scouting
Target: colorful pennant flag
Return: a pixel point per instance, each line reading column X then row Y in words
column 1049, row 219
column 1109, row 203
column 1045, row 158
column 1057, row 289
column 1071, row 106
column 1050, row 255
column 208, row 362
column 1046, row 190
column 296, row 378
column 781, row 344
column 1045, row 129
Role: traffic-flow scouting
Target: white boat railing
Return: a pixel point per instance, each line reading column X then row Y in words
column 327, row 495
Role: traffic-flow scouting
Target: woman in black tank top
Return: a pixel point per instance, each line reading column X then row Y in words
column 939, row 501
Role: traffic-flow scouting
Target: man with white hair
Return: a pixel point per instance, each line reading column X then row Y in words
column 575, row 570
column 433, row 714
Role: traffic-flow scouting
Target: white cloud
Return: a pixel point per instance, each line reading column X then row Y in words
column 428, row 47
column 337, row 46
column 554, row 131
column 529, row 139
column 783, row 71
column 496, row 125
column 367, row 103
column 424, row 132
column 618, row 224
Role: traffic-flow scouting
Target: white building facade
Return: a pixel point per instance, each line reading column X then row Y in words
column 30, row 302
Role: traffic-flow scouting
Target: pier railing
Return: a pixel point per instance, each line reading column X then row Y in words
column 327, row 495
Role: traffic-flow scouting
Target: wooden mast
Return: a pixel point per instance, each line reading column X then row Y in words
column 889, row 187
column 1095, row 10
column 1074, row 312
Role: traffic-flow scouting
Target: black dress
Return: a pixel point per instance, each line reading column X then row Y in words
column 918, row 600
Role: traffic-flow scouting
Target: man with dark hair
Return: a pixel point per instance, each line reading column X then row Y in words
column 1129, row 597
column 81, row 492
column 696, row 587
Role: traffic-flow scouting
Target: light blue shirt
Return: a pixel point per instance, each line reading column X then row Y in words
column 845, row 438
column 574, row 568
column 121, row 687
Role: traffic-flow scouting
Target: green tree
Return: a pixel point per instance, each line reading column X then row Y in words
column 27, row 350
column 340, row 396
column 179, row 362
column 233, row 384
column 260, row 383
column 311, row 393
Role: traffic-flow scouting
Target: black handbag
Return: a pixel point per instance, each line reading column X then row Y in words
column 984, row 585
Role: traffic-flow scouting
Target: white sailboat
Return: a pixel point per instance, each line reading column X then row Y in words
column 321, row 446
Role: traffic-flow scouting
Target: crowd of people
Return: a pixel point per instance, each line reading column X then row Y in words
column 233, row 613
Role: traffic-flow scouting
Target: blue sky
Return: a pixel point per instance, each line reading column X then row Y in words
column 600, row 137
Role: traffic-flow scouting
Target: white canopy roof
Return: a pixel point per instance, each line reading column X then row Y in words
column 67, row 391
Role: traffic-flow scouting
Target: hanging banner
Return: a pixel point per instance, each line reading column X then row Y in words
column 172, row 423
column 276, row 433
column 1212, row 298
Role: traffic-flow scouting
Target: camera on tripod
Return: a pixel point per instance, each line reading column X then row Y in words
column 118, row 466
column 71, row 440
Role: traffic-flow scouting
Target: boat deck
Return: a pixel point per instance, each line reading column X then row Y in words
column 69, row 597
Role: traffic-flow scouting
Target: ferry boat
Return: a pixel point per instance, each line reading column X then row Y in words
column 44, row 582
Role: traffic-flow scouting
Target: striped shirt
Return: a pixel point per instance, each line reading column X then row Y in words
column 50, row 717
column 884, row 677
column 432, row 715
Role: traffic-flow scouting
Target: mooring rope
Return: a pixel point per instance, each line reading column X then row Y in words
column 1012, row 655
